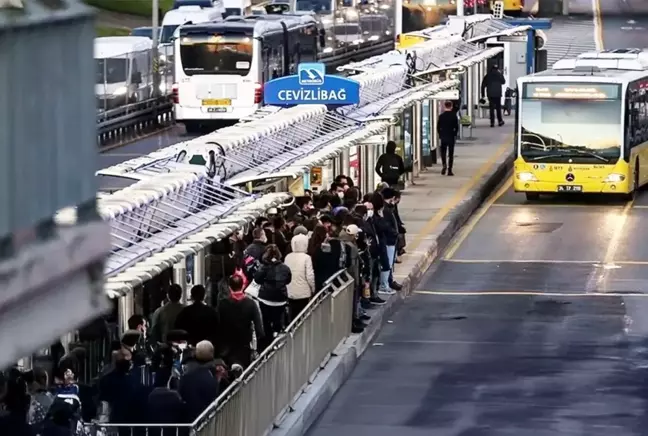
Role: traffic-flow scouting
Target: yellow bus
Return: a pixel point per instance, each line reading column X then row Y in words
column 582, row 127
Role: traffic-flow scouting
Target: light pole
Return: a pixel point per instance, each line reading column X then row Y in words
column 155, row 19
column 460, row 8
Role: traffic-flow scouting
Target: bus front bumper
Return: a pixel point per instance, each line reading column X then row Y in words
column 184, row 113
column 595, row 187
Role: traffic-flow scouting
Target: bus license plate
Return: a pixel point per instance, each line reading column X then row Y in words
column 217, row 102
column 216, row 109
column 570, row 188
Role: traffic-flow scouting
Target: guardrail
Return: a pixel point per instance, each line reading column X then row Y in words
column 354, row 54
column 126, row 122
column 268, row 387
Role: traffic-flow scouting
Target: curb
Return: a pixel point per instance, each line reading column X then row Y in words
column 316, row 396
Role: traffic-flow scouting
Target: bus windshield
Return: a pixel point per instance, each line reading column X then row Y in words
column 216, row 55
column 582, row 127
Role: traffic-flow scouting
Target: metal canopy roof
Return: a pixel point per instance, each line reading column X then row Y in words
column 164, row 207
column 147, row 268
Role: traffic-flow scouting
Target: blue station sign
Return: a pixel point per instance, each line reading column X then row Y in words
column 311, row 85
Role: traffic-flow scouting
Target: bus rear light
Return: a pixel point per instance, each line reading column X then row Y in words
column 175, row 94
column 258, row 93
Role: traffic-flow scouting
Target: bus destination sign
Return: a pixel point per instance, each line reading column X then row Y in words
column 572, row 91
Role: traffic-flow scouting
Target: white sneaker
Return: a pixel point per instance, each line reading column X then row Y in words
column 387, row 291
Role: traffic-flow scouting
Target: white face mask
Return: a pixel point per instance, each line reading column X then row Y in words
column 182, row 346
column 369, row 213
column 340, row 194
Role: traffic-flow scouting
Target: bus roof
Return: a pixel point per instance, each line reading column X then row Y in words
column 256, row 25
column 614, row 66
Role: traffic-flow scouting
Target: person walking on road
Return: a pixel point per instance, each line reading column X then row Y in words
column 491, row 87
column 447, row 128
column 390, row 166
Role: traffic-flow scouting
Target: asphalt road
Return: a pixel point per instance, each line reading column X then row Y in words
column 625, row 32
column 143, row 146
column 526, row 327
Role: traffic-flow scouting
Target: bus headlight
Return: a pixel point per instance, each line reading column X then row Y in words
column 526, row 177
column 615, row 178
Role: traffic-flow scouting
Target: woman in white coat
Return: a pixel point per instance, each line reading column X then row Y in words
column 302, row 286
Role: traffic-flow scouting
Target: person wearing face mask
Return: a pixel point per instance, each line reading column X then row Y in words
column 337, row 189
column 124, row 396
column 392, row 219
column 371, row 252
column 387, row 235
column 165, row 405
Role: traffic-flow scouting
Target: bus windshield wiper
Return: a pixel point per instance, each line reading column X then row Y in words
column 582, row 150
column 534, row 145
column 545, row 156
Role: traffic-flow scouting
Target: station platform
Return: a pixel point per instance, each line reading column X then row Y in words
column 433, row 209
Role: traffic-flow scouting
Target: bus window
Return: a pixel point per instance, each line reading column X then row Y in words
column 216, row 55
column 167, row 33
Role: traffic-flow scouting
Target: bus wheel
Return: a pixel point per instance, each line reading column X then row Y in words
column 532, row 196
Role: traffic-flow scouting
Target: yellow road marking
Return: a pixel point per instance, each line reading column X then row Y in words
column 468, row 228
column 615, row 241
column 575, row 262
column 532, row 293
column 554, row 206
column 459, row 196
column 520, row 261
column 598, row 25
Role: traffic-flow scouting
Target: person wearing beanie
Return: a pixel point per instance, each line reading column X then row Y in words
column 302, row 286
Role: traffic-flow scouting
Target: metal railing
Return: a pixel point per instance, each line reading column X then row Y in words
column 270, row 385
column 267, row 388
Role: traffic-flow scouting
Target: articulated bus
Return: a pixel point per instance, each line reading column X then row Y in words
column 582, row 127
column 221, row 66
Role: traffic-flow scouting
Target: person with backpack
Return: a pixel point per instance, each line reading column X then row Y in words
column 273, row 278
column 253, row 253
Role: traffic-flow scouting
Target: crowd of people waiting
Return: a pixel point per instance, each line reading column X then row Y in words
column 171, row 372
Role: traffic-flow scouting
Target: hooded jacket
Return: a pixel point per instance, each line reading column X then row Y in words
column 237, row 313
column 301, row 268
column 273, row 277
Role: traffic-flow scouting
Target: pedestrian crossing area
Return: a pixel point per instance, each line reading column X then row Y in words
column 569, row 38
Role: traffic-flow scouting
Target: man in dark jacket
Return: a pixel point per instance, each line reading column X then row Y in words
column 273, row 279
column 199, row 320
column 123, row 393
column 390, row 165
column 491, row 87
column 237, row 313
column 447, row 128
column 164, row 317
column 199, row 387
